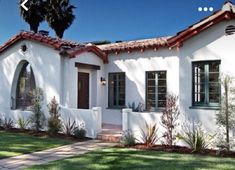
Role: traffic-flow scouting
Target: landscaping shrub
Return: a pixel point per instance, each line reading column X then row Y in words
column 80, row 131
column 128, row 138
column 23, row 123
column 193, row 135
column 8, row 123
column 38, row 117
column 170, row 117
column 68, row 127
column 1, row 122
column 139, row 108
column 54, row 122
column 226, row 115
column 149, row 135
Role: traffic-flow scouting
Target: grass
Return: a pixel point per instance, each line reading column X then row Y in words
column 116, row 159
column 13, row 144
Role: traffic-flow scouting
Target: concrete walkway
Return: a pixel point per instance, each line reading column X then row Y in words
column 42, row 157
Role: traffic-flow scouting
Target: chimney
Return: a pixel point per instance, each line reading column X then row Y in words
column 228, row 6
column 43, row 32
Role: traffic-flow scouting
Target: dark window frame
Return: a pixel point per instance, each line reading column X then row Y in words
column 110, row 104
column 206, row 103
column 146, row 88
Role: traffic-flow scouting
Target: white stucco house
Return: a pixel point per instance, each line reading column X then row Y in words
column 104, row 79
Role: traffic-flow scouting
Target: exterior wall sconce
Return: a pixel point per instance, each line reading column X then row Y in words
column 103, row 81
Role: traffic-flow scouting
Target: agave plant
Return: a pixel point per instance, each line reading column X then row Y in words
column 69, row 127
column 8, row 123
column 149, row 135
column 128, row 138
column 23, row 123
column 194, row 136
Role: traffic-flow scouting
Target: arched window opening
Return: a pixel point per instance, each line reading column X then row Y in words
column 25, row 86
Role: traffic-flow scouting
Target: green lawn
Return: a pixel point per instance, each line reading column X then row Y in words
column 13, row 144
column 116, row 159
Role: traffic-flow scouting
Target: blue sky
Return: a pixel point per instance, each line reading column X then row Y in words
column 116, row 19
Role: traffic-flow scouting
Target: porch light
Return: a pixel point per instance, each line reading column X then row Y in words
column 103, row 81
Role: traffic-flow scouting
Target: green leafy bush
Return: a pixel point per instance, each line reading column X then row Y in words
column 23, row 123
column 80, row 131
column 194, row 136
column 54, row 122
column 149, row 135
column 69, row 127
column 128, row 138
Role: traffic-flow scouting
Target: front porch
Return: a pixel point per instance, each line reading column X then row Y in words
column 110, row 132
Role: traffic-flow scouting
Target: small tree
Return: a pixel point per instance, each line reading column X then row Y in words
column 169, row 118
column 226, row 116
column 54, row 122
column 38, row 118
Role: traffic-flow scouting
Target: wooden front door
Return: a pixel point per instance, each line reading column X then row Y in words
column 83, row 90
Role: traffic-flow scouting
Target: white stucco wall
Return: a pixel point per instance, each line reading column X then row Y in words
column 70, row 90
column 211, row 44
column 135, row 65
column 91, row 118
column 46, row 65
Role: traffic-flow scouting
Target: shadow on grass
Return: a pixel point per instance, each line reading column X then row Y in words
column 115, row 159
column 13, row 144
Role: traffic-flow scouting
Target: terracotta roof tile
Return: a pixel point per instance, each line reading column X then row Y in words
column 135, row 45
column 226, row 13
column 65, row 47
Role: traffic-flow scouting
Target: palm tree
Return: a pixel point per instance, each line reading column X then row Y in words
column 59, row 15
column 35, row 15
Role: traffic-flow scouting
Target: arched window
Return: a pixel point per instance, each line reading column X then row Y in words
column 25, row 86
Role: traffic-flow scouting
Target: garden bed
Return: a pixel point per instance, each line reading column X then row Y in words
column 43, row 134
column 181, row 150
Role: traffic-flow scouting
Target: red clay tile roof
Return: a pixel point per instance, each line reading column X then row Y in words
column 226, row 13
column 197, row 28
column 153, row 43
column 72, row 48
column 65, row 47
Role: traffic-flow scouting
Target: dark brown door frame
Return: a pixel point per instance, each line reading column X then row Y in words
column 87, row 66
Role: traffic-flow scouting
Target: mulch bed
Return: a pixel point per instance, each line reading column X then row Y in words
column 44, row 134
column 182, row 150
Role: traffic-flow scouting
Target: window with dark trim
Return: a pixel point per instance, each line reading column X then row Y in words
column 206, row 83
column 156, row 89
column 117, row 90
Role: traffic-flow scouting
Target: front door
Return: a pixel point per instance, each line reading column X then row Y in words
column 83, row 90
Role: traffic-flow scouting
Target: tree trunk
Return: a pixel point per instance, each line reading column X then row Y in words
column 227, row 113
column 60, row 34
column 34, row 28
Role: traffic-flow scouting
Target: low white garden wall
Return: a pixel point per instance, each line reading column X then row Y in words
column 135, row 121
column 90, row 117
